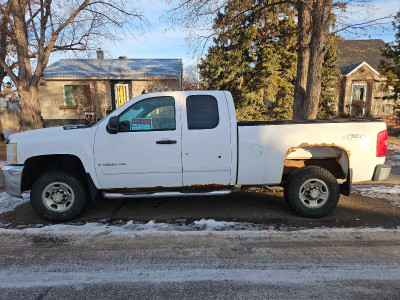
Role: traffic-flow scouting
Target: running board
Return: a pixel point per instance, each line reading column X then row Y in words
column 163, row 194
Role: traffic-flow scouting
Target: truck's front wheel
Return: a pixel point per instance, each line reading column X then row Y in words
column 59, row 195
column 312, row 192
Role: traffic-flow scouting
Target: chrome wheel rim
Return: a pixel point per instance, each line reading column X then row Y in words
column 314, row 193
column 58, row 197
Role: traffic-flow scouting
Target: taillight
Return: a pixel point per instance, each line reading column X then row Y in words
column 381, row 143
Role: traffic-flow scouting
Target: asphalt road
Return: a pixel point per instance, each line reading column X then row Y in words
column 280, row 265
column 257, row 207
column 284, row 264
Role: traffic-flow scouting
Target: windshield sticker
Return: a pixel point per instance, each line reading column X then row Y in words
column 141, row 124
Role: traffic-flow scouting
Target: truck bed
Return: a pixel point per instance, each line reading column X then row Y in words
column 263, row 149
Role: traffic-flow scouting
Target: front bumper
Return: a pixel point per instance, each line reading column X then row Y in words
column 381, row 172
column 13, row 179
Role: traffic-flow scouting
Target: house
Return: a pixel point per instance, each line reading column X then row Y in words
column 362, row 90
column 74, row 90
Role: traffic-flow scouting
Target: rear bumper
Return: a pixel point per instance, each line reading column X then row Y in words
column 381, row 172
column 12, row 179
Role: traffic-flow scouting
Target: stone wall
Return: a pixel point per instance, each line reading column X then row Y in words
column 377, row 92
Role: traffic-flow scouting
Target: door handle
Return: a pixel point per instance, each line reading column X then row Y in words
column 166, row 142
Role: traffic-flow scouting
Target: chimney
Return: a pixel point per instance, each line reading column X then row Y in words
column 100, row 54
column 123, row 57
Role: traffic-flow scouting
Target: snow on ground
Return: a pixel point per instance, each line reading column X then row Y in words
column 152, row 228
column 388, row 192
column 393, row 155
column 9, row 203
column 105, row 226
column 393, row 160
column 393, row 147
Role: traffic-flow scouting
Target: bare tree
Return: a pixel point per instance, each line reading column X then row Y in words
column 190, row 75
column 40, row 27
column 315, row 17
column 317, row 21
column 4, row 42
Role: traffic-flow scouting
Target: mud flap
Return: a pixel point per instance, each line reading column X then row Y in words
column 345, row 187
column 94, row 192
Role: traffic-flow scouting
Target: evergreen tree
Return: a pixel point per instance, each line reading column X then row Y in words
column 391, row 68
column 254, row 57
column 330, row 77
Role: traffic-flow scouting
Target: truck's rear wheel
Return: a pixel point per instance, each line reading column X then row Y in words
column 59, row 195
column 312, row 192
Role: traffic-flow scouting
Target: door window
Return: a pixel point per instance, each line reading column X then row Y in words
column 358, row 100
column 202, row 112
column 154, row 114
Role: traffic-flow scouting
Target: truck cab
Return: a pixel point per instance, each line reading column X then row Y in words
column 168, row 140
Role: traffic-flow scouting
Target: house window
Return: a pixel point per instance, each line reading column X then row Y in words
column 359, row 92
column 77, row 95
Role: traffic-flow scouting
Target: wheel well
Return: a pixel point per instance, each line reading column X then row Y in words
column 37, row 165
column 334, row 159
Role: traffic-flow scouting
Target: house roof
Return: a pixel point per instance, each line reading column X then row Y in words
column 114, row 69
column 348, row 70
column 353, row 52
column 345, row 70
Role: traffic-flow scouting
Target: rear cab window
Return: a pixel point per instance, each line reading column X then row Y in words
column 202, row 112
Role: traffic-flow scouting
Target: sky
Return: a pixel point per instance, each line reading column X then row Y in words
column 158, row 41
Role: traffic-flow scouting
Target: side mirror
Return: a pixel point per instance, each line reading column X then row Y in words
column 112, row 126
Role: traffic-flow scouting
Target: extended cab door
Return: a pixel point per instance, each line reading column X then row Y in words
column 206, row 139
column 146, row 152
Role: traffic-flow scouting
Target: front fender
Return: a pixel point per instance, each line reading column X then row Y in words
column 57, row 141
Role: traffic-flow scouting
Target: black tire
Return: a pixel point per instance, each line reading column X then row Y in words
column 300, row 177
column 77, row 185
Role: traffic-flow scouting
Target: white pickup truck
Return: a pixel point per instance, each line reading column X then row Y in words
column 189, row 143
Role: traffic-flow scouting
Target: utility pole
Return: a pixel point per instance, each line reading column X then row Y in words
column 197, row 72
